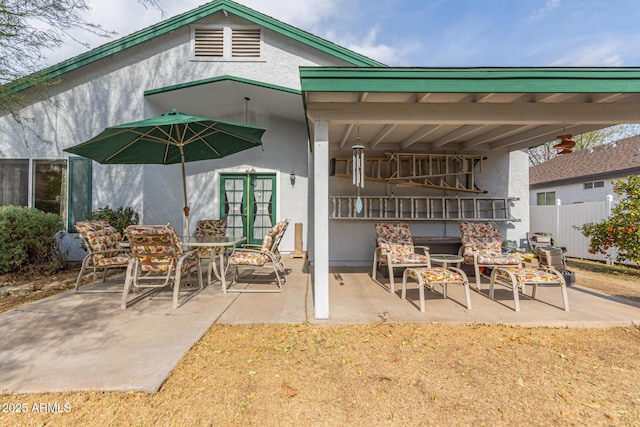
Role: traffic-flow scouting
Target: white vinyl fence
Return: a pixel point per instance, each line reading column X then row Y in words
column 560, row 221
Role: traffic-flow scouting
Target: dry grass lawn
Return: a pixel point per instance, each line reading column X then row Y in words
column 382, row 374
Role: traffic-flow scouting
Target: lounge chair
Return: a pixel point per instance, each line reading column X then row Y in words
column 482, row 248
column 396, row 250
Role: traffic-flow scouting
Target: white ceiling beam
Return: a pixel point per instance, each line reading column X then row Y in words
column 495, row 134
column 422, row 97
column 547, row 97
column 457, row 134
column 417, row 136
column 471, row 113
column 484, row 97
column 541, row 140
column 364, row 96
column 382, row 135
column 546, row 133
column 346, row 134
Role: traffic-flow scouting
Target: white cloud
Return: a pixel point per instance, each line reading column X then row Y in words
column 604, row 54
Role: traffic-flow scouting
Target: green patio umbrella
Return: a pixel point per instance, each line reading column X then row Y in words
column 171, row 138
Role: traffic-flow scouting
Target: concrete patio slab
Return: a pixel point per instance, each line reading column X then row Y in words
column 78, row 342
column 74, row 342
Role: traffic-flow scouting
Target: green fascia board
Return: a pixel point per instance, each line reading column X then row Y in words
column 188, row 18
column 221, row 79
column 463, row 80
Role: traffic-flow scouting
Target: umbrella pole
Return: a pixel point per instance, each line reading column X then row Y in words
column 184, row 190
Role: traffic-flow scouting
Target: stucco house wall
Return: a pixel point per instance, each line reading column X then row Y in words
column 111, row 91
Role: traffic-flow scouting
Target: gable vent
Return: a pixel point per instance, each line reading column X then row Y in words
column 245, row 43
column 209, row 42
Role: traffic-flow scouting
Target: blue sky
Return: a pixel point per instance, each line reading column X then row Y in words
column 432, row 33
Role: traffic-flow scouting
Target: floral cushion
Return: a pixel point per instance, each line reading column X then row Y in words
column 397, row 233
column 435, row 275
column 488, row 257
column 480, row 236
column 210, row 228
column 157, row 248
column 484, row 239
column 248, row 257
column 102, row 240
column 529, row 275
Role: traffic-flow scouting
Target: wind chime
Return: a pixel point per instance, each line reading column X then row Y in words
column 358, row 170
column 566, row 144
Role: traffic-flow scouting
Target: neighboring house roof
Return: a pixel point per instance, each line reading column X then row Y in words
column 603, row 161
column 190, row 17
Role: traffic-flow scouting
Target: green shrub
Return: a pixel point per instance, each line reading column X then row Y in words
column 119, row 218
column 27, row 237
column 621, row 230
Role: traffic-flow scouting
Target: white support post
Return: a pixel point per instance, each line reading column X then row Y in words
column 321, row 219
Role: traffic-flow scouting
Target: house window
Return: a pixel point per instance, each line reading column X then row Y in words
column 14, row 182
column 226, row 43
column 547, row 198
column 56, row 186
column 593, row 184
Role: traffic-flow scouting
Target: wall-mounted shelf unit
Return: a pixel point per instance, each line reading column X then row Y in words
column 424, row 208
column 451, row 172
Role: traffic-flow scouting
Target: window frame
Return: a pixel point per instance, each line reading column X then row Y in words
column 68, row 181
column 592, row 185
column 545, row 195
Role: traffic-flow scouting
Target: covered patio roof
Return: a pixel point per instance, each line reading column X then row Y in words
column 450, row 110
column 466, row 109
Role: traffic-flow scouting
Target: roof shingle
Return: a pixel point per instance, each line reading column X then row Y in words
column 603, row 159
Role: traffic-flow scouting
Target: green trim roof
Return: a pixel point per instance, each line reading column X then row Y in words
column 190, row 17
column 220, row 79
column 460, row 80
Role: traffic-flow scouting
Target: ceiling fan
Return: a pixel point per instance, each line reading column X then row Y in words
column 566, row 144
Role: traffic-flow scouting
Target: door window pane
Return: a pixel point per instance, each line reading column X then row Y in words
column 14, row 182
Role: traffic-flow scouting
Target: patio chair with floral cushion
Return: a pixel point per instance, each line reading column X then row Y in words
column 102, row 242
column 396, row 250
column 268, row 254
column 158, row 260
column 210, row 228
column 482, row 248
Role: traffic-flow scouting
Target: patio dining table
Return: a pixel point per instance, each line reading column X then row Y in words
column 217, row 245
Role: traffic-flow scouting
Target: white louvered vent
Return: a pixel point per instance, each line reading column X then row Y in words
column 245, row 43
column 209, row 42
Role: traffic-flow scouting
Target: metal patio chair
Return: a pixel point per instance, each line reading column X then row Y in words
column 482, row 248
column 104, row 252
column 210, row 228
column 396, row 250
column 158, row 260
column 257, row 257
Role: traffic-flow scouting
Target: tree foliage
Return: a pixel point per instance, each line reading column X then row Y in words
column 584, row 141
column 119, row 218
column 28, row 29
column 621, row 230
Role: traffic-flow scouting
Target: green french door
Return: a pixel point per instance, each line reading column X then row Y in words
column 248, row 204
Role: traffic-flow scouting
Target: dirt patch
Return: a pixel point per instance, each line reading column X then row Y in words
column 617, row 281
column 385, row 374
column 382, row 374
